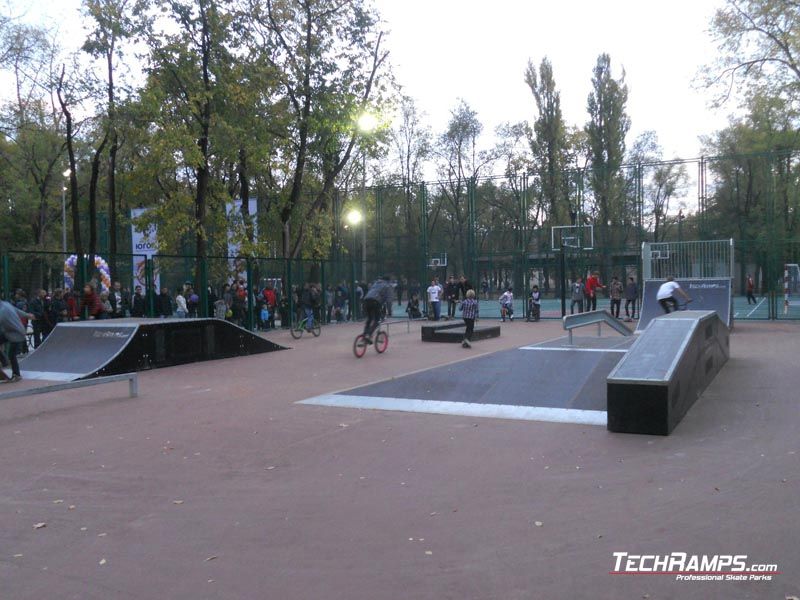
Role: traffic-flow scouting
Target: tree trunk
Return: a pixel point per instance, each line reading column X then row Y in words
column 112, row 167
column 244, row 186
column 73, row 177
column 93, row 197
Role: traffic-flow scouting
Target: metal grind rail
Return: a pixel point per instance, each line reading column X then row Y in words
column 590, row 318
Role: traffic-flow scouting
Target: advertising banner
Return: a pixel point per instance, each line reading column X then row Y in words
column 145, row 245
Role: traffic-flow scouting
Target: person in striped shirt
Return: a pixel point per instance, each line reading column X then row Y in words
column 469, row 312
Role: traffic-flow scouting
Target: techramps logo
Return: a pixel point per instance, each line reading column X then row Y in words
column 694, row 567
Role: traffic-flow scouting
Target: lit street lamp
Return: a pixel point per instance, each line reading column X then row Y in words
column 66, row 174
column 367, row 123
column 353, row 217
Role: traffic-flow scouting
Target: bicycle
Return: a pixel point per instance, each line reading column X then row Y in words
column 680, row 306
column 381, row 342
column 300, row 327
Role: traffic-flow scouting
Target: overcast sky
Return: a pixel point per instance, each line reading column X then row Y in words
column 443, row 50
column 478, row 50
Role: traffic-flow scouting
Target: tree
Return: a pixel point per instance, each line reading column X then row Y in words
column 460, row 163
column 661, row 183
column 330, row 65
column 548, row 143
column 187, row 83
column 33, row 147
column 113, row 24
column 758, row 45
column 606, row 130
column 411, row 142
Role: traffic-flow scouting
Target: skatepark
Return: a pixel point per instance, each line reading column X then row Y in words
column 218, row 481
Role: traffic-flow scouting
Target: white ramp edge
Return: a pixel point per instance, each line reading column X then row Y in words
column 440, row 407
column 51, row 376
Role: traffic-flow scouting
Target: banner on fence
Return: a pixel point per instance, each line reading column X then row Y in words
column 236, row 225
column 145, row 246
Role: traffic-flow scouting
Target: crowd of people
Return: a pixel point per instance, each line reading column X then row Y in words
column 583, row 295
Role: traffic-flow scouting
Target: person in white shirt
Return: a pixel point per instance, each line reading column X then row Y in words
column 507, row 304
column 666, row 295
column 434, row 299
column 181, row 309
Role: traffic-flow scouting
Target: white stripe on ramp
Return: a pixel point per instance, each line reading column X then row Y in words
column 495, row 411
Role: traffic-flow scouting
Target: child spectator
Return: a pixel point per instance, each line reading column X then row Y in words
column 469, row 312
column 413, row 307
column 535, row 304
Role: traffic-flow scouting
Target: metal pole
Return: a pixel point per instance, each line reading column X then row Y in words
column 64, row 218
column 6, row 278
column 249, row 268
column 353, row 279
column 364, row 212
column 563, row 282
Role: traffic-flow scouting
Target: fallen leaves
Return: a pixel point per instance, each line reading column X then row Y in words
column 39, row 525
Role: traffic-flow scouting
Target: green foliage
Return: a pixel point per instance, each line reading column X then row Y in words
column 549, row 143
column 606, row 130
column 758, row 46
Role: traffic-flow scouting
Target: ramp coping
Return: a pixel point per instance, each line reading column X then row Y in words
column 596, row 316
column 131, row 378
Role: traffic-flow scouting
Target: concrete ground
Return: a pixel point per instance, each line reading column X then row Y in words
column 215, row 484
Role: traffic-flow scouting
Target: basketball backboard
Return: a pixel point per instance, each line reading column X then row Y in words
column 571, row 237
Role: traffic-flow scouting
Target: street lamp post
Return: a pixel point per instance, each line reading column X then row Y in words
column 66, row 174
column 367, row 123
column 354, row 217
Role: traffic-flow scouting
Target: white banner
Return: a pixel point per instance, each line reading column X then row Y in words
column 233, row 212
column 144, row 246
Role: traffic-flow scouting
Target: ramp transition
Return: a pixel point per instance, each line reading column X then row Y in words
column 706, row 294
column 666, row 370
column 84, row 349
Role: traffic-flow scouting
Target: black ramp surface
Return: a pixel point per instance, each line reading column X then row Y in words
column 706, row 294
column 110, row 347
column 74, row 350
column 541, row 377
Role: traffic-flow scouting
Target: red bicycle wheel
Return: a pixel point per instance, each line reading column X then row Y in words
column 360, row 346
column 381, row 342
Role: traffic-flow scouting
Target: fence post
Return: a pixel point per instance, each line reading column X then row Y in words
column 288, row 292
column 83, row 279
column 249, row 267
column 204, row 312
column 323, row 311
column 149, row 292
column 6, row 291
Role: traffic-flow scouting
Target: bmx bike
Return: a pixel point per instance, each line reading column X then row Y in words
column 300, row 327
column 381, row 342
